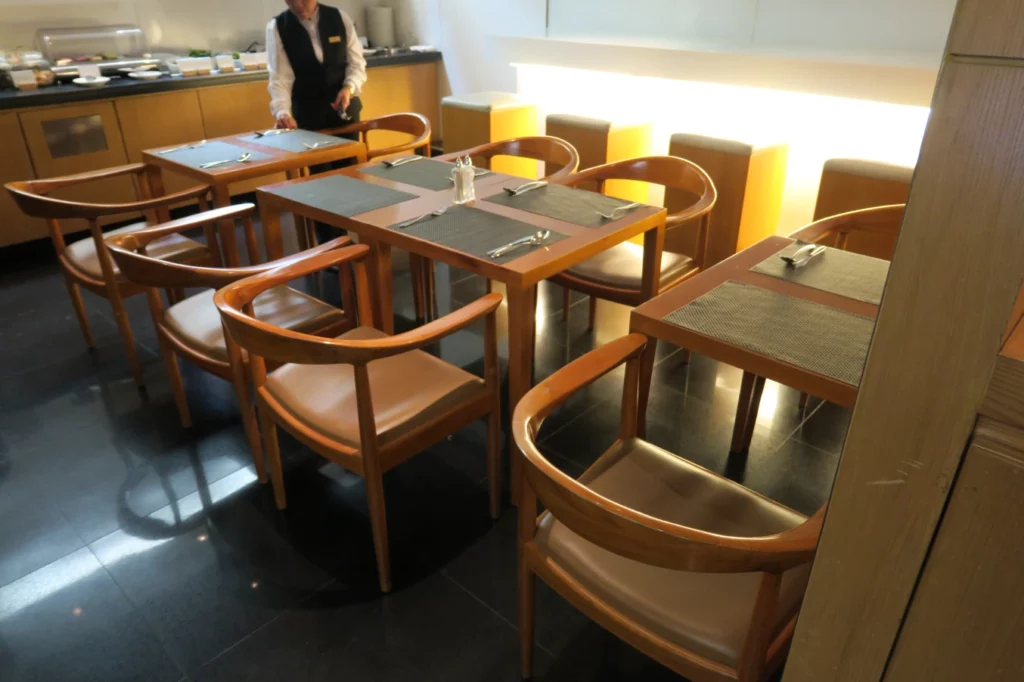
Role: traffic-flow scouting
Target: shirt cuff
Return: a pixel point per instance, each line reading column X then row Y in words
column 355, row 88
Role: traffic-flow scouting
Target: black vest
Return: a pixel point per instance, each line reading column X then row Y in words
column 317, row 85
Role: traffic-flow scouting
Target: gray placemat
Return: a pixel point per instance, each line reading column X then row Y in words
column 296, row 140
column 803, row 333
column 576, row 206
column 475, row 232
column 342, row 195
column 852, row 275
column 210, row 152
column 425, row 173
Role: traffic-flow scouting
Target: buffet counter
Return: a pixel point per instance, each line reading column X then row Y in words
column 66, row 129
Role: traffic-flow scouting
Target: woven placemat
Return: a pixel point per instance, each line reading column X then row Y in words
column 342, row 195
column 815, row 337
column 576, row 206
column 296, row 140
column 475, row 232
column 852, row 275
column 210, row 152
column 424, row 172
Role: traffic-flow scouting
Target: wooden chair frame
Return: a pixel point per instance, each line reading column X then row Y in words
column 670, row 171
column 640, row 537
column 265, row 342
column 129, row 251
column 32, row 198
column 416, row 125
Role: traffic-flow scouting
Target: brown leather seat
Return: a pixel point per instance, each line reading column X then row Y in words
column 174, row 247
column 197, row 323
column 622, row 266
column 407, row 390
column 707, row 613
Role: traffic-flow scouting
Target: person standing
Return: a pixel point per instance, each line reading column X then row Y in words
column 317, row 68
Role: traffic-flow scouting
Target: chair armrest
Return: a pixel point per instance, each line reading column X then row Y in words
column 47, row 186
column 133, row 241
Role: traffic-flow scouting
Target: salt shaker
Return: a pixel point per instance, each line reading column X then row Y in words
column 463, row 176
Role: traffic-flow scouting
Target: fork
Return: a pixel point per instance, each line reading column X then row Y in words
column 401, row 162
column 522, row 189
column 612, row 214
column 318, row 145
column 272, row 131
column 184, row 146
column 214, row 164
column 433, row 214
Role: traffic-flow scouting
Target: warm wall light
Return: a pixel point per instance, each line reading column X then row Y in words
column 817, row 127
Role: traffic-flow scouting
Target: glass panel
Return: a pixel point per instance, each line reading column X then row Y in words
column 73, row 136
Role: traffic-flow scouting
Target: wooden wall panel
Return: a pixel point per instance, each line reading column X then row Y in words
column 15, row 164
column 945, row 308
column 967, row 619
column 989, row 28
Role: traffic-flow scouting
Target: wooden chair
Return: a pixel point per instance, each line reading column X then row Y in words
column 192, row 328
column 560, row 161
column 870, row 226
column 86, row 264
column 410, row 124
column 615, row 274
column 365, row 400
column 694, row 570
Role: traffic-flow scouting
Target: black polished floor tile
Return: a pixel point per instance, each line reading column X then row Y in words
column 68, row 622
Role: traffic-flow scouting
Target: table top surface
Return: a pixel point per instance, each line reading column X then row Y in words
column 648, row 319
column 529, row 269
column 275, row 161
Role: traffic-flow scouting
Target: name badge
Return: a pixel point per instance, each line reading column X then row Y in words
column 334, row 39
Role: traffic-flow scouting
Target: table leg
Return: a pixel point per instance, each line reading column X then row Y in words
column 155, row 186
column 380, row 276
column 301, row 227
column 654, row 244
column 270, row 222
column 644, row 389
column 746, row 412
column 520, row 365
column 228, row 240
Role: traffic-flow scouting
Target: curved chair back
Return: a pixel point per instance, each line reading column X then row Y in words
column 411, row 124
column 881, row 221
column 554, row 152
column 623, row 530
column 669, row 171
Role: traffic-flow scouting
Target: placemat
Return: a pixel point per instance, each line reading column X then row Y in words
column 803, row 333
column 342, row 195
column 475, row 232
column 296, row 140
column 425, row 173
column 210, row 152
column 852, row 275
column 572, row 205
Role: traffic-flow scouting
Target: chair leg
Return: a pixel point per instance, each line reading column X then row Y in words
column 75, row 292
column 177, row 384
column 418, row 293
column 566, row 302
column 431, row 299
column 379, row 526
column 125, row 328
column 269, row 429
column 684, row 357
column 494, row 458
column 593, row 313
column 527, row 606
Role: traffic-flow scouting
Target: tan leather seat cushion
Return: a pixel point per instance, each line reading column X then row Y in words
column 407, row 390
column 623, row 265
column 707, row 613
column 174, row 247
column 196, row 321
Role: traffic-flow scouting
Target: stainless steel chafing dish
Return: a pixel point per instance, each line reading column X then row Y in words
column 111, row 48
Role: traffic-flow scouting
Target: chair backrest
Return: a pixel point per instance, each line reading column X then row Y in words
column 669, row 171
column 557, row 154
column 881, row 222
column 415, row 125
column 621, row 529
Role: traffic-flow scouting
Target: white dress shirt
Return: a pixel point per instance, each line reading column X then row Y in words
column 282, row 77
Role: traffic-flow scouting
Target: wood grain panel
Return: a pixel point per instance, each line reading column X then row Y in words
column 15, row 164
column 115, row 190
column 989, row 28
column 967, row 619
column 161, row 120
column 944, row 312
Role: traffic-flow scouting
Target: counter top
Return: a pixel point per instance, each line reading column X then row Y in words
column 126, row 87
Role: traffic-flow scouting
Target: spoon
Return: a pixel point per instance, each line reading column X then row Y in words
column 184, row 146
column 410, row 223
column 535, row 239
column 612, row 215
column 241, row 159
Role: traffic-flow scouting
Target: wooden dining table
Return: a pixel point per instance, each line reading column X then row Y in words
column 520, row 275
column 265, row 160
column 650, row 319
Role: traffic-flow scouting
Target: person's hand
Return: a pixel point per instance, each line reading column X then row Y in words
column 343, row 100
column 286, row 122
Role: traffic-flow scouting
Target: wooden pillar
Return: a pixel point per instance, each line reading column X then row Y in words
column 955, row 275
